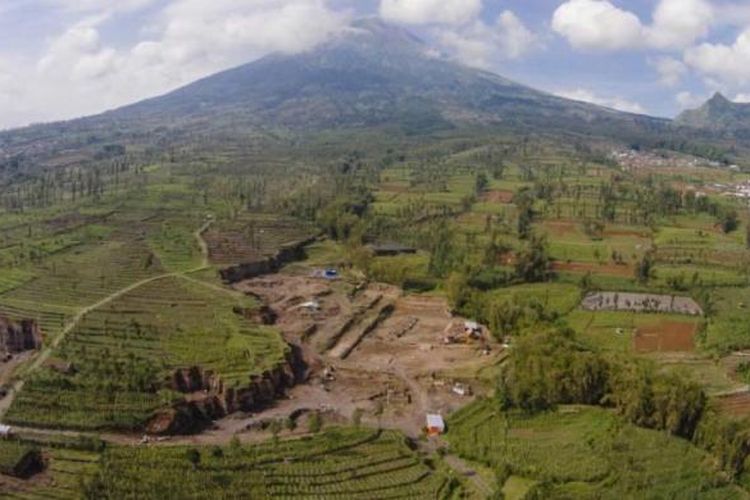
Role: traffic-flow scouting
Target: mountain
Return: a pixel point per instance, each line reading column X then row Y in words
column 370, row 76
column 717, row 114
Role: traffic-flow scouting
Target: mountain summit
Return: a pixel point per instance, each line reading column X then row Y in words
column 371, row 74
column 718, row 113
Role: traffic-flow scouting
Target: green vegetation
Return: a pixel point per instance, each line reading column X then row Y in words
column 124, row 350
column 583, row 452
column 340, row 462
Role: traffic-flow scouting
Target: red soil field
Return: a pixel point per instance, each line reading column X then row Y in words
column 666, row 336
column 561, row 227
column 736, row 405
column 498, row 196
column 625, row 271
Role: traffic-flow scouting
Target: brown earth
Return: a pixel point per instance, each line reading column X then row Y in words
column 499, row 196
column 736, row 405
column 561, row 227
column 16, row 337
column 369, row 347
column 666, row 336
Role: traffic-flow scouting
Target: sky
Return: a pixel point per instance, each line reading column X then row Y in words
column 60, row 59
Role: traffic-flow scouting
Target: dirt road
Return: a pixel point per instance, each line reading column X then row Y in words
column 46, row 352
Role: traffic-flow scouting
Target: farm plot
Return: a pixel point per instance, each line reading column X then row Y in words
column 735, row 405
column 636, row 332
column 340, row 463
column 252, row 238
column 124, row 352
column 666, row 336
column 85, row 276
column 576, row 449
column 66, row 470
column 730, row 330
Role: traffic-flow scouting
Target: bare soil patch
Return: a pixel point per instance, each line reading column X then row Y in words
column 735, row 405
column 666, row 336
column 371, row 347
column 498, row 196
column 561, row 227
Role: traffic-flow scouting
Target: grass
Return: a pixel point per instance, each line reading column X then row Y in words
column 584, row 452
column 12, row 453
column 560, row 298
column 124, row 350
column 729, row 329
column 516, row 487
column 614, row 331
column 340, row 463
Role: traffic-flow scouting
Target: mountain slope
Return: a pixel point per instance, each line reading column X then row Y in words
column 717, row 114
column 371, row 76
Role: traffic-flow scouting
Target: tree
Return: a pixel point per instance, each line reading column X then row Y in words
column 533, row 263
column 290, row 424
column 525, row 204
column 730, row 221
column 275, row 427
column 644, row 269
column 457, row 290
column 481, row 182
column 314, row 423
column 235, row 445
column 194, row 457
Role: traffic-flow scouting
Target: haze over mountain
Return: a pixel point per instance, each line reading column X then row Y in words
column 718, row 114
column 370, row 75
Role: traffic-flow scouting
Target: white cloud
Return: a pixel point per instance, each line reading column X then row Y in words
column 597, row 25
column 481, row 45
column 615, row 102
column 601, row 25
column 679, row 23
column 671, row 71
column 742, row 98
column 100, row 6
column 728, row 64
column 80, row 73
column 688, row 100
column 452, row 12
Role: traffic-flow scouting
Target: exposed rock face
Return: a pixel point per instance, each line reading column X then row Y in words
column 248, row 270
column 208, row 399
column 19, row 337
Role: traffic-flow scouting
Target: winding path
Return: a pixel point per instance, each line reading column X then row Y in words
column 46, row 352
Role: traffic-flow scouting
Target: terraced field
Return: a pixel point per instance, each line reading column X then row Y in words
column 252, row 237
column 66, row 471
column 584, row 452
column 124, row 352
column 345, row 464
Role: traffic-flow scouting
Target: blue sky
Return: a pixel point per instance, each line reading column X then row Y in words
column 65, row 58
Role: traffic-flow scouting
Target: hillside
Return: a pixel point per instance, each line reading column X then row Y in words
column 717, row 114
column 372, row 76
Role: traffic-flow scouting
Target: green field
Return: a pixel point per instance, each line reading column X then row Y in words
column 123, row 351
column 583, row 452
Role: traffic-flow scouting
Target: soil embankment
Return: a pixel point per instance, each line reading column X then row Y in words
column 207, row 398
column 267, row 265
